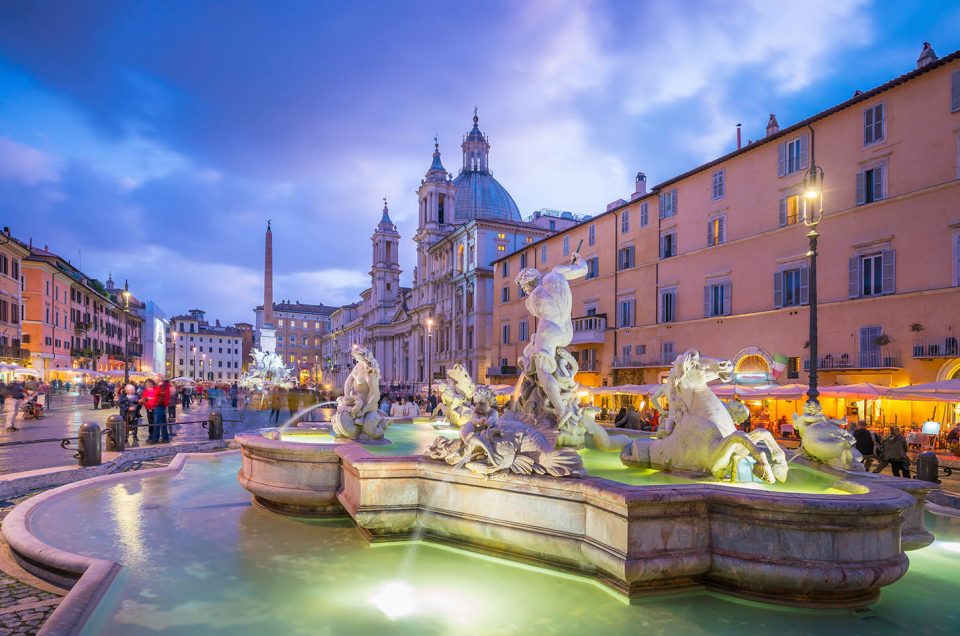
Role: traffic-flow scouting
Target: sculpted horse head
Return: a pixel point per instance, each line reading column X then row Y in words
column 689, row 373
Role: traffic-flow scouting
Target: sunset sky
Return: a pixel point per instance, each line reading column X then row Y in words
column 155, row 139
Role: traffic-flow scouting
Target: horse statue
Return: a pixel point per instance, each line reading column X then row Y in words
column 701, row 436
column 357, row 408
column 823, row 440
column 456, row 392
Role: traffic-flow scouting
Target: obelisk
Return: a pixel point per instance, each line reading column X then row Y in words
column 268, row 331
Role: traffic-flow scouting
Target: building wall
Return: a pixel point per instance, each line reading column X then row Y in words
column 917, row 220
column 11, row 300
column 204, row 352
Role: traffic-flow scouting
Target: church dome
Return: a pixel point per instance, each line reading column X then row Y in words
column 480, row 196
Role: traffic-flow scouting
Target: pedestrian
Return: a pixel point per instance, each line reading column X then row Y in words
column 234, row 394
column 164, row 401
column 867, row 442
column 384, row 405
column 150, row 402
column 15, row 393
column 411, row 409
column 276, row 400
column 293, row 401
column 894, row 452
column 129, row 404
column 397, row 410
column 3, row 395
column 433, row 402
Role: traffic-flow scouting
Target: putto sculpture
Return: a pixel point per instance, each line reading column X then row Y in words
column 357, row 412
column 699, row 434
column 456, row 392
column 823, row 440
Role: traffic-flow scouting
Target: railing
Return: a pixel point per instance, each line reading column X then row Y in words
column 936, row 347
column 82, row 326
column 503, row 370
column 862, row 360
column 589, row 329
column 639, row 362
column 15, row 353
column 591, row 366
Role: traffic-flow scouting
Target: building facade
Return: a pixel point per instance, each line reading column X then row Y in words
column 204, row 351
column 74, row 325
column 12, row 253
column 716, row 258
column 298, row 330
column 446, row 317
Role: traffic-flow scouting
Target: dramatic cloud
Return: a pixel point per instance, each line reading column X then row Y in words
column 157, row 138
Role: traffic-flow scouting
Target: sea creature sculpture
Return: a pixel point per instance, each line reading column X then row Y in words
column 267, row 367
column 455, row 395
column 823, row 440
column 702, row 437
column 489, row 446
column 357, row 412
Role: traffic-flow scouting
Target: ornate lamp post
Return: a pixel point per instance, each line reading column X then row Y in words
column 126, row 337
column 429, row 358
column 193, row 350
column 812, row 215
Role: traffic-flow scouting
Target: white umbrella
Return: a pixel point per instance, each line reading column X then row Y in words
column 945, row 390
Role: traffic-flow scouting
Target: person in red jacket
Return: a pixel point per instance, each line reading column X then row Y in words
column 149, row 399
column 161, row 432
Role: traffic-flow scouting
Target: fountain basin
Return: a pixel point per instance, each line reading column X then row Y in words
column 784, row 547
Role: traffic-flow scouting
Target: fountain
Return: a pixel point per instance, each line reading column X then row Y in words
column 702, row 506
column 267, row 368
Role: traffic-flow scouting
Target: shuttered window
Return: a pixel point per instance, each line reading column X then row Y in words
column 790, row 210
column 719, row 184
column 625, row 221
column 667, row 354
column 716, row 299
column 566, row 245
column 717, row 231
column 593, row 267
column 668, row 305
column 791, row 287
column 626, row 312
column 668, row 203
column 873, row 274
column 625, row 258
column 792, row 156
column 644, row 214
column 873, row 128
column 668, row 244
column 543, row 253
column 871, row 185
column 955, row 91
column 591, row 235
column 505, row 334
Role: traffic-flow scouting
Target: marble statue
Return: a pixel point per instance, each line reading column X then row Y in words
column 822, row 440
column 267, row 367
column 456, row 392
column 738, row 411
column 701, row 436
column 489, row 446
column 357, row 412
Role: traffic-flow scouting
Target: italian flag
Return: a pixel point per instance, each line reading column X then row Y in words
column 779, row 365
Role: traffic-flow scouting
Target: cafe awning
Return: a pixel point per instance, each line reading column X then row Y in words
column 944, row 390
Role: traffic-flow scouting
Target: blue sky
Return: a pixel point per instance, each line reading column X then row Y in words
column 154, row 139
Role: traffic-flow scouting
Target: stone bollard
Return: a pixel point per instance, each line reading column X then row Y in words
column 89, row 445
column 215, row 426
column 928, row 467
column 116, row 434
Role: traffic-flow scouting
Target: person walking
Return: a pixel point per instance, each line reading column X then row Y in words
column 150, row 402
column 234, row 394
column 164, row 400
column 867, row 442
column 15, row 393
column 129, row 404
column 894, row 452
column 276, row 400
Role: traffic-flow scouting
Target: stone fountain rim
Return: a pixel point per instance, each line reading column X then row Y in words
column 878, row 498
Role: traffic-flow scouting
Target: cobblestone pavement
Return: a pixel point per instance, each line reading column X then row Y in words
column 68, row 412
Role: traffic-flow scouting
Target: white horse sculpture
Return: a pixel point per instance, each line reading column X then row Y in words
column 824, row 441
column 357, row 409
column 456, row 394
column 701, row 435
column 266, row 367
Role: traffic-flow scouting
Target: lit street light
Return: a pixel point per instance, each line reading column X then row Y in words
column 126, row 337
column 812, row 215
column 429, row 357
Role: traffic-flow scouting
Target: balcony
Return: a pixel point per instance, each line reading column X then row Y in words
column 589, row 329
column 503, row 370
column 589, row 366
column 14, row 353
column 641, row 362
column 862, row 360
column 932, row 347
column 82, row 326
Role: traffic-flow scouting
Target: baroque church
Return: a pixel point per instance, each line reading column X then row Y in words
column 446, row 317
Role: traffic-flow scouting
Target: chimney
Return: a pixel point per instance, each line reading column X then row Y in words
column 641, row 188
column 6, row 230
column 739, row 144
column 772, row 126
column 927, row 56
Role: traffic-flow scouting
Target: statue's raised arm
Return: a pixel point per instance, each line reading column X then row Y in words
column 576, row 269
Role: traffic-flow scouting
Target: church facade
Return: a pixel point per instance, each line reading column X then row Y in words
column 446, row 317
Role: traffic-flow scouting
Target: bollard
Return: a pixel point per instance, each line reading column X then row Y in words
column 928, row 467
column 89, row 444
column 215, row 427
column 116, row 434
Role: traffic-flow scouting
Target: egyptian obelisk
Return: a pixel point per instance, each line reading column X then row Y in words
column 268, row 331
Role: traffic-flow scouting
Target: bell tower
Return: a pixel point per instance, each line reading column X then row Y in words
column 436, row 195
column 385, row 273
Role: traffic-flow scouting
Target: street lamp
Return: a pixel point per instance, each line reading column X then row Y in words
column 812, row 215
column 203, row 367
column 193, row 350
column 429, row 358
column 126, row 337
column 173, row 363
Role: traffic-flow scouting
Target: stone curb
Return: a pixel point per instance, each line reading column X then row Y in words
column 95, row 575
column 18, row 484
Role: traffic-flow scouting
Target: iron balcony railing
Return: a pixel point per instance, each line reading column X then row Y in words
column 640, row 362
column 936, row 347
column 862, row 360
column 589, row 365
column 14, row 353
column 589, row 329
column 503, row 370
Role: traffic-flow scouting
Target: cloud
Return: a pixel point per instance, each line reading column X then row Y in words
column 25, row 164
